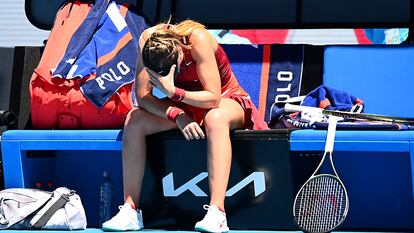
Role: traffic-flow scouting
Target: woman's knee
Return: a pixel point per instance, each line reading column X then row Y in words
column 230, row 115
column 215, row 119
column 135, row 121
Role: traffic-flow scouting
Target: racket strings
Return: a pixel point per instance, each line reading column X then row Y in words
column 321, row 204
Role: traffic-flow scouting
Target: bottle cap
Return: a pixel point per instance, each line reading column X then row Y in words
column 38, row 184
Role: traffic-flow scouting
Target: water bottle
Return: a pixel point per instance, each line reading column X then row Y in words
column 105, row 199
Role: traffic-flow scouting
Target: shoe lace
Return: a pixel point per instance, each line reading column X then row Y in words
column 122, row 211
column 122, row 207
column 215, row 216
column 206, row 207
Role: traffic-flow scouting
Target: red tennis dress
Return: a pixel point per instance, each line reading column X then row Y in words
column 188, row 80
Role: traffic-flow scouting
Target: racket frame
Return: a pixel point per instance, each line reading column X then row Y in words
column 350, row 115
column 328, row 150
column 318, row 176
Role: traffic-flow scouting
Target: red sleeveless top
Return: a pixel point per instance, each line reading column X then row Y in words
column 188, row 80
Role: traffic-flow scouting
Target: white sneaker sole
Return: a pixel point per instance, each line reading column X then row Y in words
column 117, row 229
column 202, row 229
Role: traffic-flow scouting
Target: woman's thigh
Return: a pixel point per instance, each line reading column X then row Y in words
column 147, row 122
column 229, row 112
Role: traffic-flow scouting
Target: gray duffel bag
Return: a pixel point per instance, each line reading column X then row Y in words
column 22, row 208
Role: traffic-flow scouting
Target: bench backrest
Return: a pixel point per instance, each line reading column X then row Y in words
column 382, row 76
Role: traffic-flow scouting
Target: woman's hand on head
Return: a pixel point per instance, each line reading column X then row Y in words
column 189, row 128
column 163, row 83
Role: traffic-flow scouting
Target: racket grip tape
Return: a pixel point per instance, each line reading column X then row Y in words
column 330, row 137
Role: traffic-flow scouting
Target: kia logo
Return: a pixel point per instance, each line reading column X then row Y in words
column 258, row 179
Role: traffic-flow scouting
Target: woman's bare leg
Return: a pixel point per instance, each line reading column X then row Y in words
column 138, row 125
column 218, row 123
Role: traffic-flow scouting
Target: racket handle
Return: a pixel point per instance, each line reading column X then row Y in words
column 298, row 108
column 330, row 137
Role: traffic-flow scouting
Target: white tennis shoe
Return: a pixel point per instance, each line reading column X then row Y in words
column 127, row 219
column 214, row 221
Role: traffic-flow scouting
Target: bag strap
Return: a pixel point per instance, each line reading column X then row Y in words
column 61, row 202
column 3, row 220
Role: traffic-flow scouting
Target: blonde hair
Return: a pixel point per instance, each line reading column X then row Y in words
column 160, row 51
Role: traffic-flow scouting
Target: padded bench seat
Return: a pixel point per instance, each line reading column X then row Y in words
column 175, row 178
column 14, row 142
column 377, row 169
column 356, row 141
column 382, row 141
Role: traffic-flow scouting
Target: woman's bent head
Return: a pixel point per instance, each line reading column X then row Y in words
column 163, row 48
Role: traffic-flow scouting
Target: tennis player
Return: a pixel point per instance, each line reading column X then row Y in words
column 205, row 101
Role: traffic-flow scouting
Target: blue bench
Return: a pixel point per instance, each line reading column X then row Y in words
column 174, row 192
column 377, row 166
column 77, row 158
column 16, row 142
column 375, row 163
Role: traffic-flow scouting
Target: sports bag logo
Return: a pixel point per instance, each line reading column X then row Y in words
column 258, row 179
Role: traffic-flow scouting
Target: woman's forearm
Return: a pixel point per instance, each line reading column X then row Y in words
column 153, row 105
column 202, row 99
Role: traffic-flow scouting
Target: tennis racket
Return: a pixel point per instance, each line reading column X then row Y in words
column 321, row 205
column 350, row 115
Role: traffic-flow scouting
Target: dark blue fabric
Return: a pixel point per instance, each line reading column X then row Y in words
column 246, row 63
column 285, row 76
column 97, row 37
column 81, row 37
column 113, row 75
column 338, row 99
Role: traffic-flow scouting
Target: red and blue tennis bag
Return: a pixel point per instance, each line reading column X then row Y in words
column 85, row 77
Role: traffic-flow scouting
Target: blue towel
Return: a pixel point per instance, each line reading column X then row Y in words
column 333, row 99
column 321, row 97
column 105, row 45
